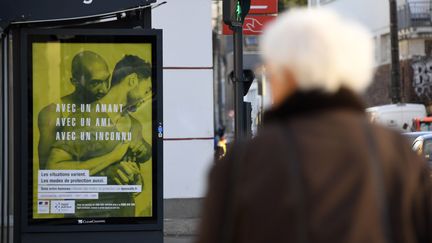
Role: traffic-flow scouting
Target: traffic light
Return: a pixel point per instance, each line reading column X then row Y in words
column 235, row 11
column 248, row 78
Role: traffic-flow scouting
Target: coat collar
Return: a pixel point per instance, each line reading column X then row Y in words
column 315, row 102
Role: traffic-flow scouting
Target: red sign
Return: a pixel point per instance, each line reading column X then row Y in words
column 253, row 25
column 263, row 7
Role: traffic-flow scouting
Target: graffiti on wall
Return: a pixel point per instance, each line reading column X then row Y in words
column 422, row 80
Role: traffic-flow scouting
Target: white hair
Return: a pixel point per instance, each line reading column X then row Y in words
column 322, row 50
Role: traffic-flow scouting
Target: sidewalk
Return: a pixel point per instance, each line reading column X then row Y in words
column 180, row 239
column 181, row 219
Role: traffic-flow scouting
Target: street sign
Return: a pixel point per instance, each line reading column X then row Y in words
column 253, row 25
column 263, row 7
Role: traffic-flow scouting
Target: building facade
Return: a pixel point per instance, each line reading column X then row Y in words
column 415, row 29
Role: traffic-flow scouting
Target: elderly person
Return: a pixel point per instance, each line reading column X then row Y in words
column 318, row 171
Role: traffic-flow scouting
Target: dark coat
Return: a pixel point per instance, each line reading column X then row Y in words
column 338, row 186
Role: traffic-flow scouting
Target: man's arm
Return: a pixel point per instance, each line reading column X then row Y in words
column 47, row 130
column 59, row 159
column 142, row 151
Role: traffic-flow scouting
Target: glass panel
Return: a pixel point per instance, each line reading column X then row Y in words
column 92, row 122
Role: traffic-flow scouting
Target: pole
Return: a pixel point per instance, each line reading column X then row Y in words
column 238, row 83
column 395, row 64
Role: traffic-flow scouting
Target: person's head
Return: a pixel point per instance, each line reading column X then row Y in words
column 221, row 131
column 135, row 74
column 90, row 75
column 316, row 49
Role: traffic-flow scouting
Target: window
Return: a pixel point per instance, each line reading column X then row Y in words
column 376, row 50
column 428, row 48
column 385, row 49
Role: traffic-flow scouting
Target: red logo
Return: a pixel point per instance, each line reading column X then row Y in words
column 253, row 25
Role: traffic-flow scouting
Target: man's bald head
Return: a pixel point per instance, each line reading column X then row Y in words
column 90, row 74
column 85, row 64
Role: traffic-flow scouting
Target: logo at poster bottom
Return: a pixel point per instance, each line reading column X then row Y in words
column 63, row 207
column 43, row 207
column 91, row 221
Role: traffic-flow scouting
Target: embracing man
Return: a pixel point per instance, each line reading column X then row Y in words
column 91, row 78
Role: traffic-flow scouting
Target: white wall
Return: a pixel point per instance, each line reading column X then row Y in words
column 187, row 32
column 188, row 95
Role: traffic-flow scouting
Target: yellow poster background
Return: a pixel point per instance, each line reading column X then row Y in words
column 51, row 75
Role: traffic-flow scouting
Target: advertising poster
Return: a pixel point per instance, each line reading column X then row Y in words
column 92, row 130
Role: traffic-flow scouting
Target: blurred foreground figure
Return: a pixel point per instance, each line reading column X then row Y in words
column 318, row 172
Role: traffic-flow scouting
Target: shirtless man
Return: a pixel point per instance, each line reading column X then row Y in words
column 91, row 79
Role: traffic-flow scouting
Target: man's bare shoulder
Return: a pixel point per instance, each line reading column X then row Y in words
column 47, row 113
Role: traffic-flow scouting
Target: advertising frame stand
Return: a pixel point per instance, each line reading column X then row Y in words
column 31, row 223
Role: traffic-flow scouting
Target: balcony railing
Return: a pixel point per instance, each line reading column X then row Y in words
column 415, row 13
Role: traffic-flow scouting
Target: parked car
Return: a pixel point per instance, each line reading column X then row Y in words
column 411, row 136
column 396, row 116
column 423, row 146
